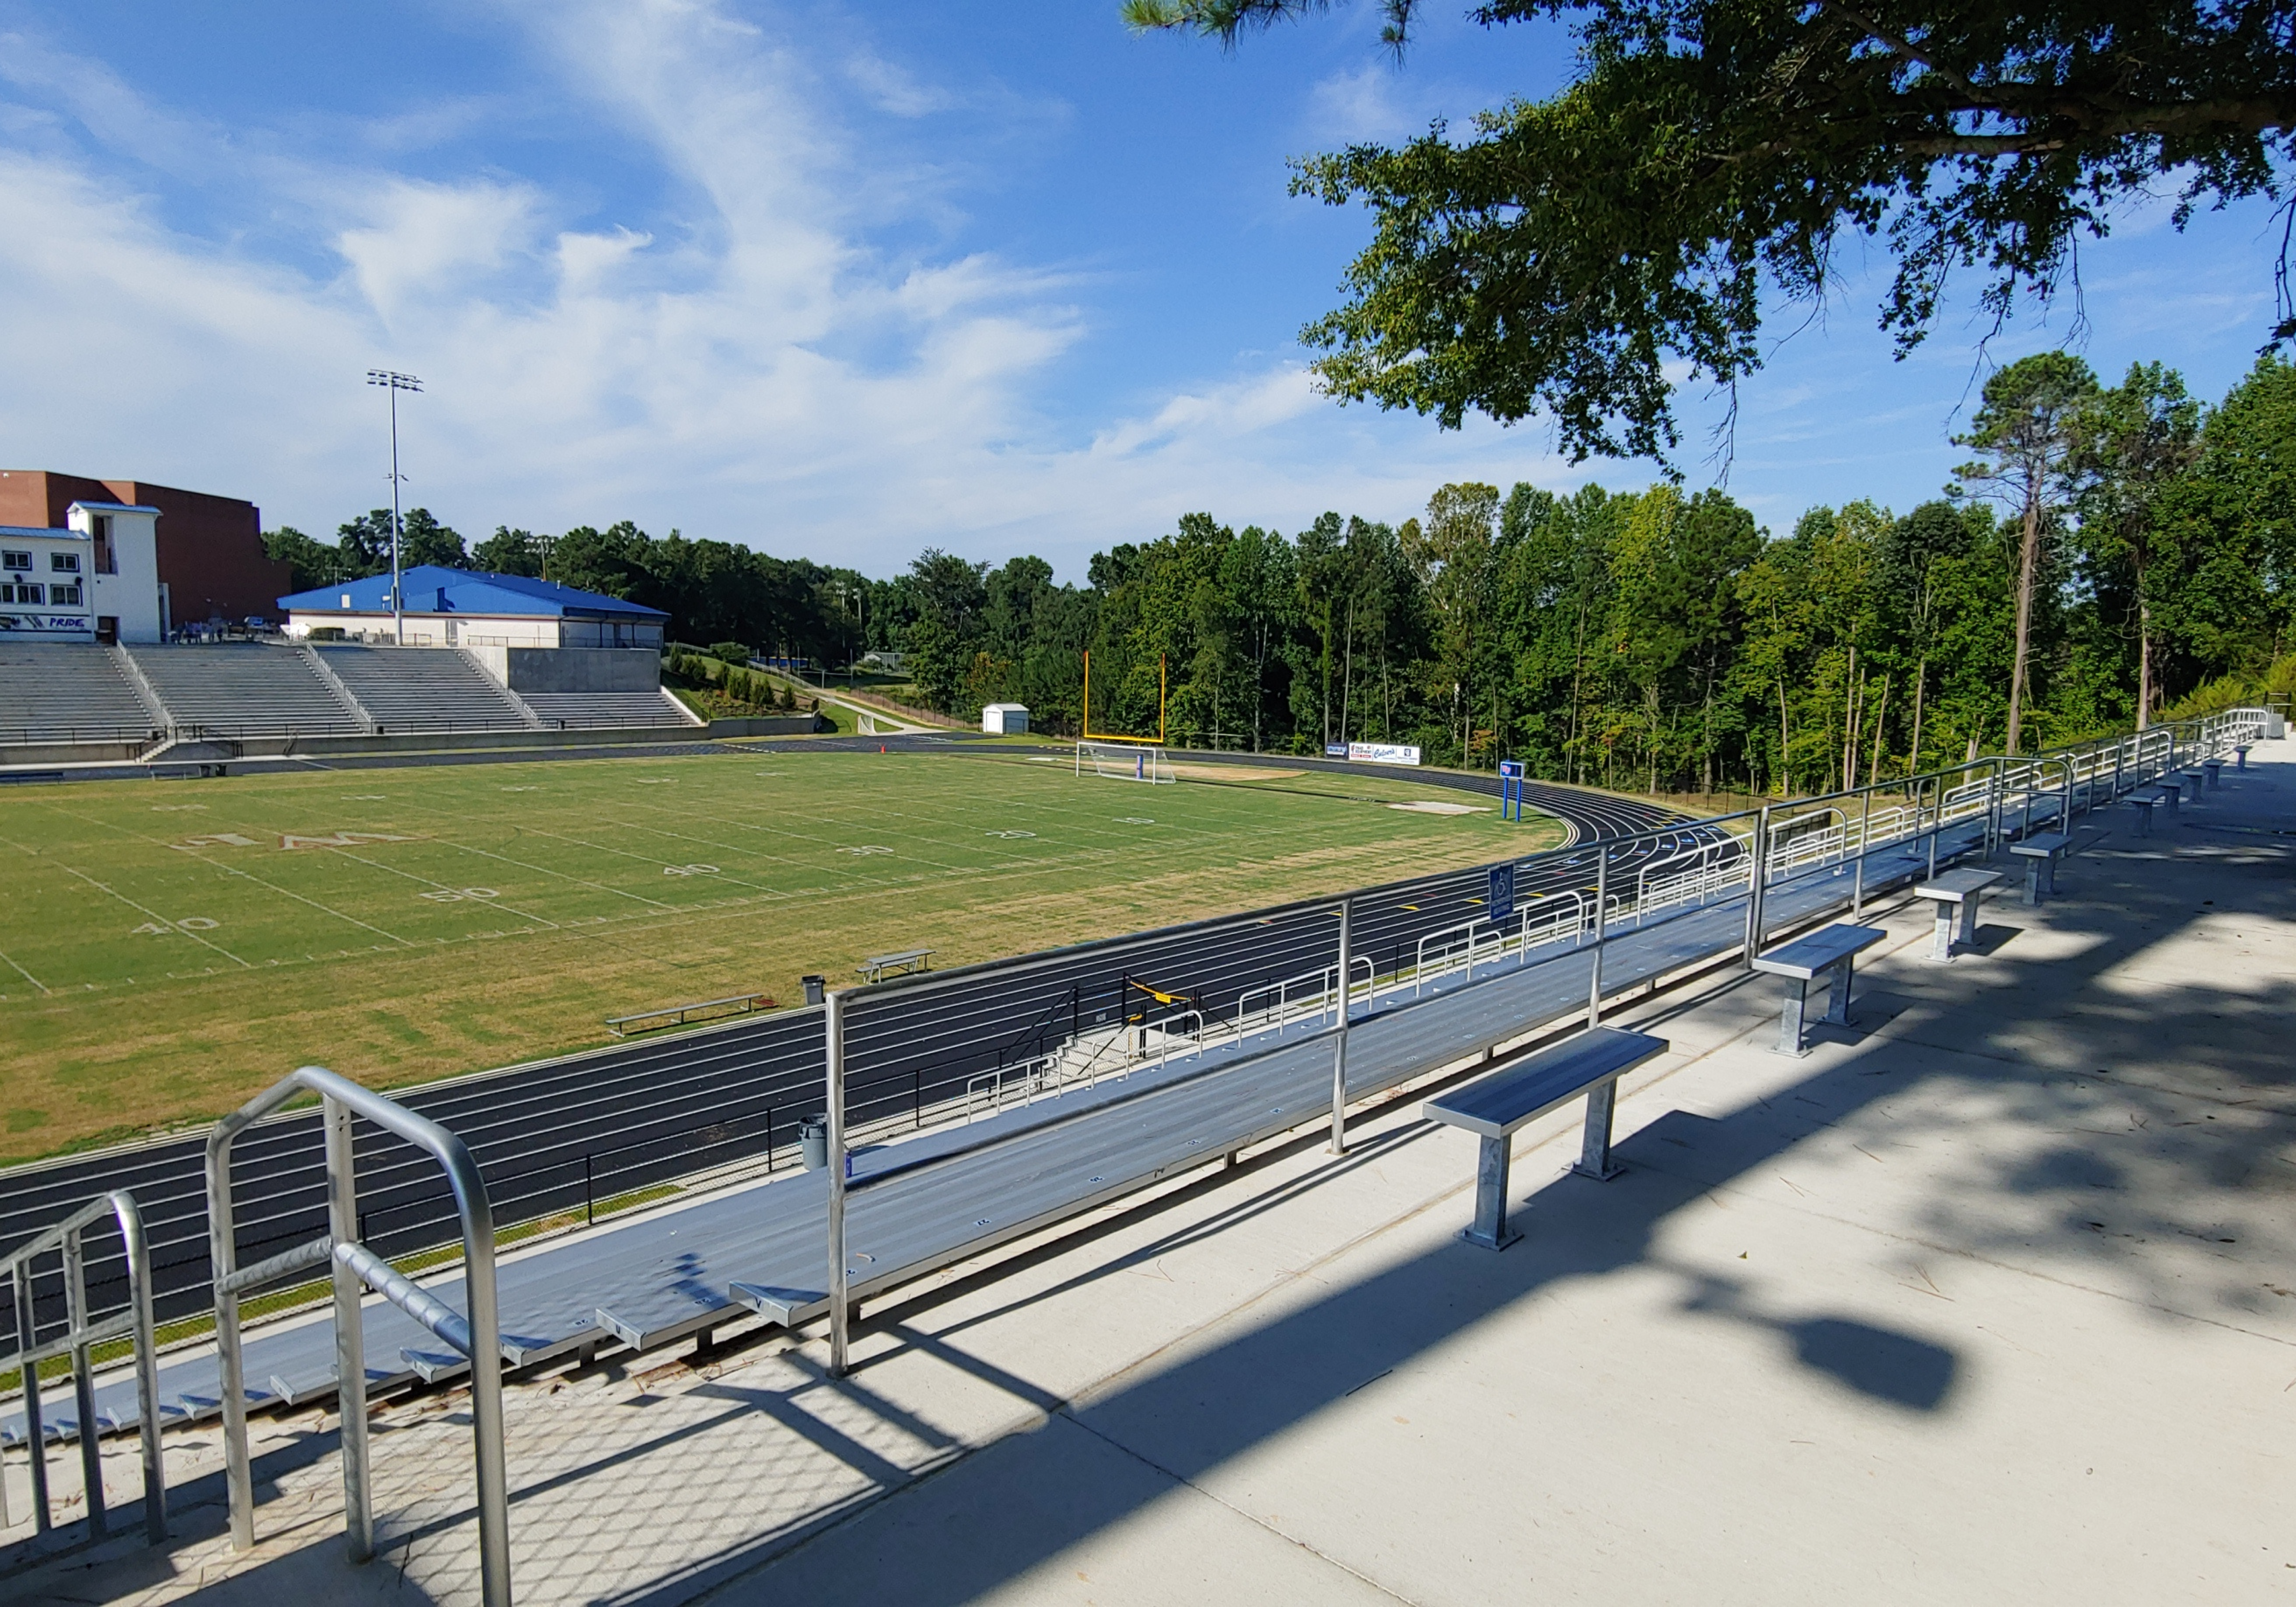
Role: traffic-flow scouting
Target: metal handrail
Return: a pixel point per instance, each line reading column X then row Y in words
column 475, row 1334
column 82, row 1334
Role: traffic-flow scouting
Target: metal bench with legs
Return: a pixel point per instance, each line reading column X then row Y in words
column 2171, row 792
column 1493, row 1107
column 2040, row 852
column 1956, row 895
column 2212, row 774
column 2240, row 757
column 1824, row 959
column 2142, row 803
column 876, row 968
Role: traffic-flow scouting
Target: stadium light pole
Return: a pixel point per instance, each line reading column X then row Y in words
column 394, row 383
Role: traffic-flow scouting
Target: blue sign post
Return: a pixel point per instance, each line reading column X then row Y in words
column 1501, row 906
column 1510, row 789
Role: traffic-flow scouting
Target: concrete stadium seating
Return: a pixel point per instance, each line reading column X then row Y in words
column 242, row 689
column 423, row 689
column 64, row 691
column 580, row 709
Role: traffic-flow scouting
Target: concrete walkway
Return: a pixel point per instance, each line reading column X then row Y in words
column 1992, row 1297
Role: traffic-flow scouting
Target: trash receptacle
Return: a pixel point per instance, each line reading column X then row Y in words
column 815, row 988
column 813, row 1141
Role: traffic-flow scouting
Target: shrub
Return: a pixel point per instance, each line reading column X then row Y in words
column 732, row 653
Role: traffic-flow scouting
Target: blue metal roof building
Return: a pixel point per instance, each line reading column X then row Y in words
column 466, row 607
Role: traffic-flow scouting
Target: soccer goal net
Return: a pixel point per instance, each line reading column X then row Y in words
column 1125, row 761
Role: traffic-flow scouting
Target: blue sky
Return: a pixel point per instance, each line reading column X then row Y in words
column 841, row 282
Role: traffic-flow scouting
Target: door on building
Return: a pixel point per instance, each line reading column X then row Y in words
column 107, row 628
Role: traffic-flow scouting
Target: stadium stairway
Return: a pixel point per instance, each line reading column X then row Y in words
column 423, row 689
column 246, row 690
column 63, row 692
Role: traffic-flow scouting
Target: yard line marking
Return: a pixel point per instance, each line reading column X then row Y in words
column 26, row 975
column 539, row 870
column 376, row 864
column 146, row 910
column 232, row 870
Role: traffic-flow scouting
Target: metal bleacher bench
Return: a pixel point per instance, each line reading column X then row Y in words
column 678, row 1015
column 876, row 968
column 2040, row 852
column 1956, row 891
column 2212, row 771
column 2142, row 803
column 1826, row 957
column 1493, row 1107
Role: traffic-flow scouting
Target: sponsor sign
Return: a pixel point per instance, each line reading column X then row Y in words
column 1382, row 753
column 1502, row 894
column 1335, row 750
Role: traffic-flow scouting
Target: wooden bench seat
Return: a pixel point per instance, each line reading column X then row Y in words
column 1956, row 895
column 1493, row 1107
column 2040, row 852
column 1824, row 959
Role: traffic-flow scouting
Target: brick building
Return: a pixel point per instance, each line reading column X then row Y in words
column 211, row 548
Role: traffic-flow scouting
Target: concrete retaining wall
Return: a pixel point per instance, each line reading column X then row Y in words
column 571, row 669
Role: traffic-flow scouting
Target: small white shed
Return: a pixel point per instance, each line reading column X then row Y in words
column 1005, row 719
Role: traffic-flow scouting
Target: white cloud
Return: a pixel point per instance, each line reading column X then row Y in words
column 752, row 363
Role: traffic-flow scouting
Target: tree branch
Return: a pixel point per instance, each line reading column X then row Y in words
column 1904, row 47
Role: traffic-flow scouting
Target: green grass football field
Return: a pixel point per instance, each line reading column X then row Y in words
column 167, row 948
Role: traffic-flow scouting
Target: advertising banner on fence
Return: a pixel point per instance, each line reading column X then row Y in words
column 1382, row 753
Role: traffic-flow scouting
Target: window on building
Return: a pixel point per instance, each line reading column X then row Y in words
column 64, row 564
column 22, row 590
column 106, row 562
column 15, row 561
column 60, row 596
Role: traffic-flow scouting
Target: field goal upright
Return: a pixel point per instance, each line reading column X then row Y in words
column 1125, row 762
column 1116, row 756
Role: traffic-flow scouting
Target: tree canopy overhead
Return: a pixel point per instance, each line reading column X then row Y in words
column 1707, row 151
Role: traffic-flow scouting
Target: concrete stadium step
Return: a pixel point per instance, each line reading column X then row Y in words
column 583, row 710
column 62, row 692
column 244, row 690
column 423, row 689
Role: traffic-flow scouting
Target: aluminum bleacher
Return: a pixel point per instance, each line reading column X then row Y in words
column 244, row 689
column 68, row 692
column 423, row 689
column 583, row 710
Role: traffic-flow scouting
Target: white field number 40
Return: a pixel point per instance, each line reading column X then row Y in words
column 455, row 895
